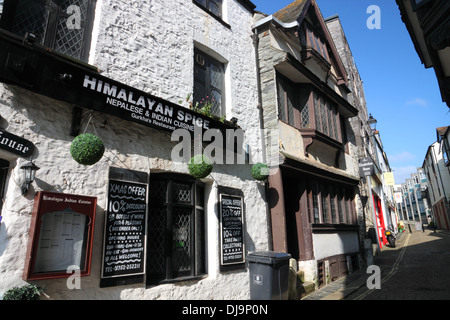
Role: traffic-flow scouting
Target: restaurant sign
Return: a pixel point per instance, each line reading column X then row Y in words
column 82, row 85
column 232, row 246
column 124, row 236
column 366, row 167
column 134, row 105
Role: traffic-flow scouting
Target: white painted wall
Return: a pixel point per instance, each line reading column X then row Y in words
column 148, row 45
column 332, row 244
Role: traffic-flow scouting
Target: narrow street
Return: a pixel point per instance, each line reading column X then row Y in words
column 417, row 269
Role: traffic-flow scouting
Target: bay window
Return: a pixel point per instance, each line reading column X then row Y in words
column 304, row 107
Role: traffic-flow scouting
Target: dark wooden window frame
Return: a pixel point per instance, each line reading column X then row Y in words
column 317, row 43
column 320, row 111
column 345, row 212
column 206, row 81
column 197, row 236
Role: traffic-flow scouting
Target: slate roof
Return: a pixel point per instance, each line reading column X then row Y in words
column 291, row 12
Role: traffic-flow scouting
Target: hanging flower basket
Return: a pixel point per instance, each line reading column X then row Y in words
column 200, row 166
column 87, row 149
column 260, row 171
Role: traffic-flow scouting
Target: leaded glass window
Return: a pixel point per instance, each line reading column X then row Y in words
column 62, row 25
column 209, row 83
column 176, row 246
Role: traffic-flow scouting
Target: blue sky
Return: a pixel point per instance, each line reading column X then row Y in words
column 400, row 93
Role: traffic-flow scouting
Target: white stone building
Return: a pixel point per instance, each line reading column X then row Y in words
column 131, row 66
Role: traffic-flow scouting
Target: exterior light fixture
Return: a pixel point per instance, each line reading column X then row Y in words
column 234, row 121
column 29, row 170
column 372, row 122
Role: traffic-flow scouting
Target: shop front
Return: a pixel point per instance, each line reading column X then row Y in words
column 320, row 228
column 137, row 224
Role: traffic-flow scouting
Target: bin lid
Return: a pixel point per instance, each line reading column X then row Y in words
column 268, row 257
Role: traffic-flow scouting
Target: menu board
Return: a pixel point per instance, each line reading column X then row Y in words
column 231, row 230
column 61, row 234
column 124, row 243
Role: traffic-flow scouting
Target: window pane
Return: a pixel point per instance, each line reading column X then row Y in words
column 317, row 112
column 291, row 105
column 334, row 112
column 214, row 7
column 31, row 16
column 281, row 102
column 69, row 40
column 333, row 205
column 181, row 255
column 316, row 206
column 156, row 242
column 340, row 209
column 216, row 103
column 323, row 112
column 216, row 75
column 304, row 95
column 330, row 120
column 325, row 210
column 181, row 193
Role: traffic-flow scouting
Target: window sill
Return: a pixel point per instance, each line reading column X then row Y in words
column 309, row 135
column 310, row 52
column 184, row 279
column 327, row 227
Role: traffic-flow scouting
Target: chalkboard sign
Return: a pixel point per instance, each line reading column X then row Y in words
column 231, row 230
column 124, row 243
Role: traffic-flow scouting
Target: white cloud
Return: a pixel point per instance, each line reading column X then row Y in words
column 417, row 102
column 402, row 157
column 403, row 173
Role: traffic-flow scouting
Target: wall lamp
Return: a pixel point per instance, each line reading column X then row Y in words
column 29, row 172
column 372, row 122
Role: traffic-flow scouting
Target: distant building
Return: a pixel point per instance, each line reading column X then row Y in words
column 437, row 170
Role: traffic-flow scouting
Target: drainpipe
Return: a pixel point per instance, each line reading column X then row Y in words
column 255, row 39
column 258, row 86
